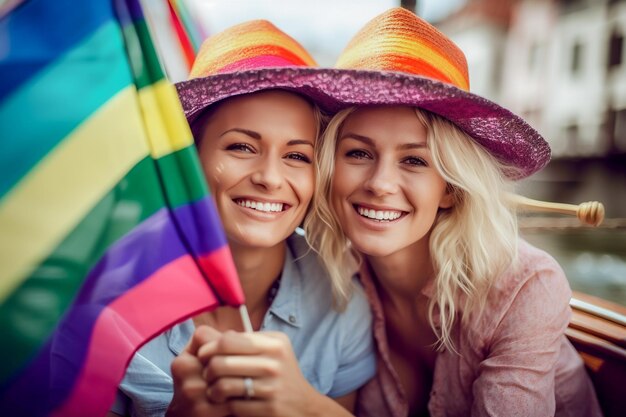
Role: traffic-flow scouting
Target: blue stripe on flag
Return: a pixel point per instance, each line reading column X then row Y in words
column 38, row 31
column 60, row 98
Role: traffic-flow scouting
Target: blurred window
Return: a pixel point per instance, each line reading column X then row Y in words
column 577, row 51
column 533, row 56
column 620, row 131
column 615, row 125
column 616, row 47
column 571, row 137
column 568, row 5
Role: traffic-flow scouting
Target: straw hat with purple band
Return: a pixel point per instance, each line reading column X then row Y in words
column 395, row 59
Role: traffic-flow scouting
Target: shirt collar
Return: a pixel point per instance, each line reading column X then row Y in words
column 179, row 336
column 287, row 305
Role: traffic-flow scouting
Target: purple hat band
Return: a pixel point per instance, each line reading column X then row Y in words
column 504, row 134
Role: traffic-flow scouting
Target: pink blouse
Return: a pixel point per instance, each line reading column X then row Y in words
column 514, row 361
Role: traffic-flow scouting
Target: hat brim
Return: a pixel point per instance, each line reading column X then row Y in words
column 507, row 136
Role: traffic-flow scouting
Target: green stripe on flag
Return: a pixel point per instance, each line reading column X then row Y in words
column 30, row 314
column 53, row 198
column 182, row 177
column 147, row 68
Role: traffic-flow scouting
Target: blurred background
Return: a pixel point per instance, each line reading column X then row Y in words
column 558, row 63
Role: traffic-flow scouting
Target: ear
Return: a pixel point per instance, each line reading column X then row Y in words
column 447, row 200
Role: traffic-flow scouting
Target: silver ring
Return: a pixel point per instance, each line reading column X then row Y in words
column 248, row 384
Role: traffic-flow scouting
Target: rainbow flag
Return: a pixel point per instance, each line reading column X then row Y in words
column 186, row 32
column 108, row 234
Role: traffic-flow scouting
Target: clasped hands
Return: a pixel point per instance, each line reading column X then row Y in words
column 239, row 374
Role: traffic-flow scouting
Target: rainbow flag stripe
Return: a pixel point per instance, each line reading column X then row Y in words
column 109, row 234
column 242, row 46
column 409, row 47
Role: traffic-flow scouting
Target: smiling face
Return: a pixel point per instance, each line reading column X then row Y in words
column 386, row 191
column 257, row 156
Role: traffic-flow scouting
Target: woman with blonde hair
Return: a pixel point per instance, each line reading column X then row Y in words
column 413, row 182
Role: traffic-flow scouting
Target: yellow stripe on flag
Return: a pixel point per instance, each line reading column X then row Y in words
column 165, row 122
column 61, row 190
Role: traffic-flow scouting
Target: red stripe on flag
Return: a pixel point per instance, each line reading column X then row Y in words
column 183, row 38
column 220, row 270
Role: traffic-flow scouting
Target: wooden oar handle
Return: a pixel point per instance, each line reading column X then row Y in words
column 590, row 212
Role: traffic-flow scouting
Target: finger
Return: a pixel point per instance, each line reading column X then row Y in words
column 202, row 335
column 233, row 343
column 229, row 388
column 187, row 377
column 184, row 366
column 192, row 389
column 241, row 366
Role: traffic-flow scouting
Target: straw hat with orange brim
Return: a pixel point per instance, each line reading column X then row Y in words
column 395, row 59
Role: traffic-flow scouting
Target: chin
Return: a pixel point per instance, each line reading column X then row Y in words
column 260, row 239
column 374, row 249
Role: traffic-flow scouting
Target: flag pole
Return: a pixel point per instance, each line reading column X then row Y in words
column 245, row 319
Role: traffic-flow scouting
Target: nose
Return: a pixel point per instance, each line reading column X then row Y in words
column 268, row 174
column 383, row 179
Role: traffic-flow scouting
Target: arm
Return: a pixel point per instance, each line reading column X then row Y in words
column 517, row 376
column 280, row 389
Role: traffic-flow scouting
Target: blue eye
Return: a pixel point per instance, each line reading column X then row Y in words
column 240, row 147
column 358, row 154
column 299, row 157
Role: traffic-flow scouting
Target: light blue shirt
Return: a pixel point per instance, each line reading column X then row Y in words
column 334, row 350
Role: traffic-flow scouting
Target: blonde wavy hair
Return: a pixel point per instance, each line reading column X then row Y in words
column 471, row 244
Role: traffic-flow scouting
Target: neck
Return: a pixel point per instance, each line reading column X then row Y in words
column 400, row 279
column 402, row 276
column 258, row 268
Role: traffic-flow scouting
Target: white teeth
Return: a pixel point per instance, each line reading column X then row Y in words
column 258, row 205
column 379, row 214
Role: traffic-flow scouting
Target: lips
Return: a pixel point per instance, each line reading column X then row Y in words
column 387, row 215
column 262, row 206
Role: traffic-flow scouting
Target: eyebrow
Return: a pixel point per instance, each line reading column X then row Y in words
column 294, row 142
column 257, row 136
column 251, row 133
column 370, row 142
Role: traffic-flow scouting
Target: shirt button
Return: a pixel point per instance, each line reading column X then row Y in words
column 292, row 319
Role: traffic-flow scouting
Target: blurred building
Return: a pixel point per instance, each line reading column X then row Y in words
column 480, row 29
column 560, row 64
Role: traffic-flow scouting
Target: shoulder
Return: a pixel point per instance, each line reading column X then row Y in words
column 359, row 304
column 316, row 283
column 535, row 288
column 303, row 255
column 334, row 348
column 535, row 268
column 307, row 268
